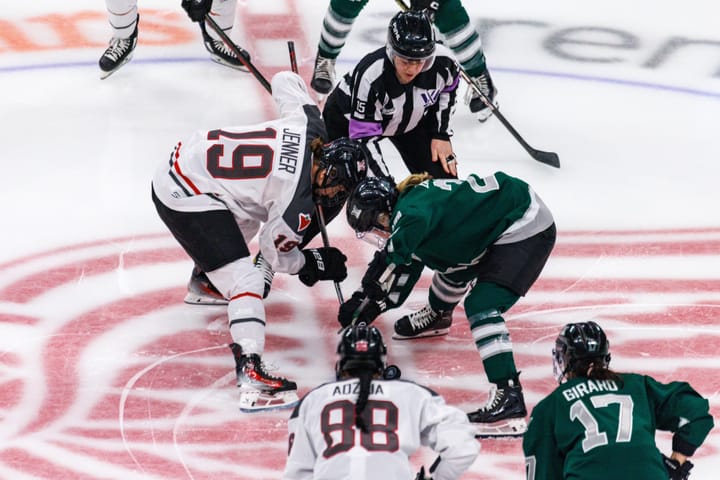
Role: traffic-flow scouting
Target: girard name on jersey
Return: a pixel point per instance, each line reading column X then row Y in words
column 289, row 150
column 354, row 388
column 589, row 386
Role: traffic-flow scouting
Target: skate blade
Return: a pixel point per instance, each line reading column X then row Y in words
column 254, row 401
column 199, row 299
column 225, row 63
column 514, row 427
column 104, row 74
column 436, row 332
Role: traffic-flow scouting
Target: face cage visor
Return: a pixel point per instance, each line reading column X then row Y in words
column 426, row 61
column 339, row 197
column 376, row 237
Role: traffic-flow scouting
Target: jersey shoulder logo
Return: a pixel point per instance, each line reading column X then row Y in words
column 304, row 220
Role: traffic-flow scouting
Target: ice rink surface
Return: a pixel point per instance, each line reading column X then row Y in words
column 105, row 373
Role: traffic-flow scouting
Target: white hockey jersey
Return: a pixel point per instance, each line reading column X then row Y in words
column 260, row 173
column 325, row 444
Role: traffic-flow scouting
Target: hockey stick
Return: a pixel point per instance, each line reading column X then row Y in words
column 326, row 243
column 548, row 158
column 236, row 50
column 293, row 58
column 421, row 474
column 318, row 208
column 384, row 278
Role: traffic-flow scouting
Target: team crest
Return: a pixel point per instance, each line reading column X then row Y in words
column 304, row 220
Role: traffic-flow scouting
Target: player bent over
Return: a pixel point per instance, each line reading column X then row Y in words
column 487, row 240
column 368, row 422
column 221, row 188
column 601, row 424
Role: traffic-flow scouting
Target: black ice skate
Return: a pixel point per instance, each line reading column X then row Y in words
column 118, row 53
column 201, row 291
column 477, row 106
column 258, row 389
column 267, row 271
column 426, row 322
column 323, row 78
column 504, row 413
column 220, row 53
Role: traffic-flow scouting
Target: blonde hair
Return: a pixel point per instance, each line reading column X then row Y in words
column 412, row 180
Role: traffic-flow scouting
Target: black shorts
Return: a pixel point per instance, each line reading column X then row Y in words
column 212, row 239
column 515, row 266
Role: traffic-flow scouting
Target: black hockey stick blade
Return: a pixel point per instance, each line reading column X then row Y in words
column 236, row 50
column 548, row 158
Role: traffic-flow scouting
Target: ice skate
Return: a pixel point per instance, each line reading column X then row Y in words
column 267, row 271
column 220, row 53
column 323, row 78
column 201, row 292
column 118, row 53
column 504, row 414
column 258, row 389
column 477, row 106
column 425, row 322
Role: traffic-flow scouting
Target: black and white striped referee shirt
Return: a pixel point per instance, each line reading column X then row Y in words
column 380, row 106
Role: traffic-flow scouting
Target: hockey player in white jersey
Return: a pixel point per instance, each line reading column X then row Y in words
column 221, row 188
column 368, row 423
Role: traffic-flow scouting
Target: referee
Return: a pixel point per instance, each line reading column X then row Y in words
column 405, row 92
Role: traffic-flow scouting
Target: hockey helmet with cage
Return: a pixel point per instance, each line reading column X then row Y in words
column 344, row 163
column 578, row 342
column 371, row 204
column 411, row 36
column 361, row 347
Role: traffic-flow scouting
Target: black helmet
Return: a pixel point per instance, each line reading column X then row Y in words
column 411, row 36
column 345, row 163
column 578, row 342
column 372, row 196
column 361, row 347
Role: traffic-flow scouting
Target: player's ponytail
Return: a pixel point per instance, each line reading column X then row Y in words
column 412, row 180
column 365, row 377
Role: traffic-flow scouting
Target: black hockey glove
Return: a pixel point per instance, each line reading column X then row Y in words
column 677, row 471
column 196, row 9
column 371, row 280
column 369, row 312
column 324, row 263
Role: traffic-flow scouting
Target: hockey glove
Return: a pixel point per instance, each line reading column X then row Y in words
column 324, row 263
column 349, row 310
column 371, row 280
column 196, row 9
column 677, row 471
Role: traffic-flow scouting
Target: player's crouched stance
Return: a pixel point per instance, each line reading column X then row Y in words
column 599, row 424
column 487, row 240
column 367, row 423
column 222, row 187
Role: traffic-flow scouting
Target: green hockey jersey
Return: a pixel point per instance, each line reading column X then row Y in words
column 447, row 224
column 599, row 429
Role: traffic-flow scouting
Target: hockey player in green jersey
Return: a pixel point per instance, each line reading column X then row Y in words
column 487, row 239
column 600, row 424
